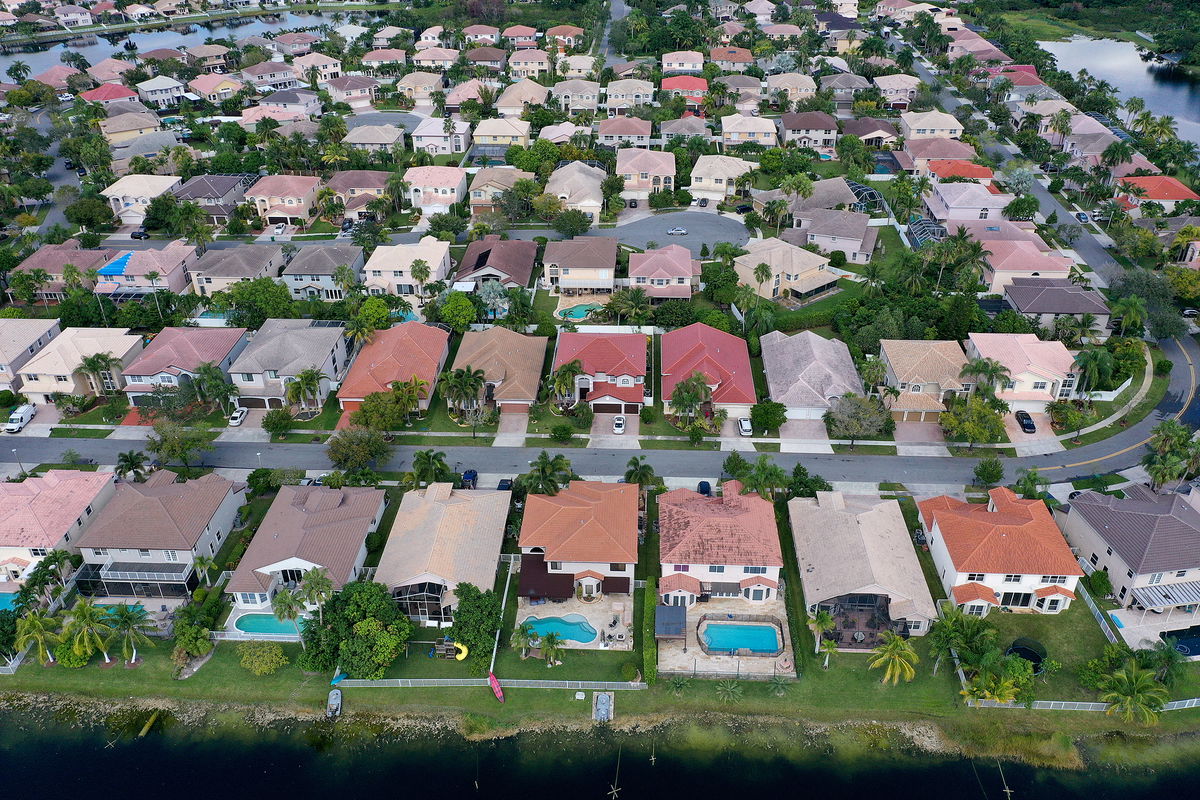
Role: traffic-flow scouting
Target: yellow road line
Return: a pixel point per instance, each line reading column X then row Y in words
column 1191, row 394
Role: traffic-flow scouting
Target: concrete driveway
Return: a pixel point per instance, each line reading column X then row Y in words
column 1032, row 444
column 732, row 440
column 602, row 434
column 915, row 438
column 804, row 436
column 510, row 432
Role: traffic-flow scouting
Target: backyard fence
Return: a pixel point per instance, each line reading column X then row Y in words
column 1100, row 616
column 243, row 636
column 14, row 663
column 439, row 683
column 713, row 675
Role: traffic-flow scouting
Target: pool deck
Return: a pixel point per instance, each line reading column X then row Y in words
column 565, row 302
column 598, row 614
column 1141, row 629
column 237, row 613
column 685, row 656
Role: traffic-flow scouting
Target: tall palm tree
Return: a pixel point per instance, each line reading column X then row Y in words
column 1095, row 367
column 552, row 647
column 547, row 474
column 153, row 277
column 420, row 273
column 1132, row 311
column 1168, row 436
column 39, row 629
column 288, row 608
column 640, row 472
column 305, row 386
column 729, row 692
column 872, row 275
column 897, row 657
column 829, row 647
column 429, row 466
column 1184, row 239
column 205, row 565
column 359, row 331
column 344, row 278
column 522, row 638
column 1133, row 694
column 989, row 372
column 1162, row 469
column 562, row 382
column 1060, row 123
column 1030, row 483
column 820, row 623
column 762, row 274
column 131, row 462
column 633, row 304
column 315, row 589
column 96, row 365
column 130, row 627
column 87, row 629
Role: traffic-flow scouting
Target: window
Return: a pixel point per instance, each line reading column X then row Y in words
column 62, row 378
column 1129, row 573
column 1012, row 578
column 555, row 565
column 716, row 568
column 616, row 567
column 99, row 552
column 37, row 552
column 247, row 377
column 1181, row 573
column 1094, row 559
column 754, row 570
column 1108, row 551
column 1009, row 385
column 913, row 624
column 1155, row 578
column 143, row 553
column 1059, row 579
column 916, row 388
column 975, row 577
column 1039, row 385
column 1121, row 596
column 974, row 610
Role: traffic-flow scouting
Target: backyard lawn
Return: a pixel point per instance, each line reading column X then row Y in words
column 1070, row 638
column 327, row 419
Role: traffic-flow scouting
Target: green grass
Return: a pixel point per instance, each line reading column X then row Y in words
column 865, row 449
column 1158, row 390
column 760, row 377
column 668, row 444
column 395, row 494
column 300, row 438
column 437, row 419
column 482, row 440
column 767, row 447
column 80, row 467
column 912, row 519
column 327, row 419
column 1070, row 638
column 888, row 486
column 980, row 452
column 888, row 245
column 93, row 416
column 849, row 290
column 187, row 473
column 546, row 303
column 1097, row 482
column 80, row 433
column 1047, row 28
column 321, row 226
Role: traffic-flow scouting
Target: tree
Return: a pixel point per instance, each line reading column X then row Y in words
column 1133, row 694
column 522, row 639
column 262, row 658
column 278, row 421
column 353, row 449
column 476, row 620
column 820, row 623
column 39, row 629
column 254, row 302
column 547, row 474
column 989, row 471
column 552, row 648
column 729, row 692
column 306, row 386
column 204, row 565
column 989, row 373
column 803, row 484
column 315, row 589
column 1131, row 310
column 766, row 478
column 897, row 657
column 633, row 304
column 429, row 466
column 287, row 607
column 973, row 421
column 87, row 629
column 571, row 223
column 853, row 417
column 131, row 626
column 96, row 366
column 457, row 311
column 170, row 441
column 1030, row 484
column 420, row 273
column 131, row 463
column 640, row 472
column 768, row 415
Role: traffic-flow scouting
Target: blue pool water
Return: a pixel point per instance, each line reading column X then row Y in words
column 113, row 606
column 265, row 623
column 580, row 311
column 826, row 157
column 572, row 626
column 755, row 638
column 6, row 600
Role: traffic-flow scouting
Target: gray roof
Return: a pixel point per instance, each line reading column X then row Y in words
column 120, row 107
column 207, row 186
column 288, row 346
column 243, row 261
column 825, row 194
column 864, row 127
column 684, row 127
column 1150, row 532
column 830, row 222
column 844, row 80
column 1053, row 296
column 807, row 370
column 1173, row 225
column 808, row 121
column 145, row 144
column 288, row 96
column 322, row 260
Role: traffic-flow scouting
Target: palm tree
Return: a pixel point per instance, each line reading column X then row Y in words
column 522, row 639
column 96, row 365
column 131, row 462
column 562, row 382
column 640, row 472
column 205, row 565
column 988, row 371
column 429, row 466
column 1132, row 311
column 307, row 384
column 39, row 629
column 1168, row 436
column 547, row 474
column 359, row 332
column 315, row 590
column 1060, row 123
column 1162, row 469
column 344, row 278
column 552, row 648
column 872, row 276
column 779, row 685
column 1030, row 483
column 1184, row 239
column 420, row 273
column 1094, row 366
column 130, row 626
column 897, row 657
column 87, row 629
column 820, row 623
column 729, row 692
column 153, row 277
column 288, row 608
column 634, row 304
column 828, row 647
column 762, row 274
column 1133, row 694
column 18, row 71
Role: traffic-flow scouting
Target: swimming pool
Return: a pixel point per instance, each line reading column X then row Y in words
column 757, row 638
column 826, row 157
column 7, row 600
column 573, row 627
column 266, row 623
column 579, row 311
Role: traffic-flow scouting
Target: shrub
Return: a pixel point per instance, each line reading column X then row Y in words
column 199, row 594
column 837, row 259
column 649, row 415
column 629, row 671
column 718, row 319
column 66, row 657
column 374, row 541
column 1099, row 584
column 277, row 422
column 1095, row 672
column 7, row 398
column 1162, row 366
column 1056, row 185
column 582, row 416
column 562, row 432
column 262, row 658
column 546, row 329
column 193, row 639
column 695, row 435
column 649, row 646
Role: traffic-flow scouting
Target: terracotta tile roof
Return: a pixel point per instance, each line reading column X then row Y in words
column 108, row 91
column 973, row 592
column 1046, row 591
column 184, row 349
column 734, row 529
column 37, row 511
column 685, row 83
column 1008, row 536
column 757, row 580
column 951, row 168
column 284, row 186
column 677, row 581
column 397, row 354
column 626, row 394
column 442, row 177
column 1162, row 187
column 317, row 525
column 159, row 514
column 588, row 521
column 737, row 55
column 610, row 353
column 508, row 359
column 1024, row 352
column 721, row 357
column 624, row 126
column 922, row 361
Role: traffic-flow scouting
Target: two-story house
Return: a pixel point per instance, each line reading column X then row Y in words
column 20, row 340
column 845, row 86
column 924, row 374
column 929, row 125
column 576, row 95
column 623, row 132
column 490, row 258
column 738, row 129
column 720, row 357
column 965, row 201
column 622, row 95
column 715, row 177
column 58, row 368
column 215, row 87
column 613, row 379
column 731, row 59
column 384, row 61
column 318, row 66
column 304, row 102
column 271, row 76
column 692, row 88
column 434, row 190
column 792, row 86
column 161, row 92
column 122, row 128
column 217, row 195
column 512, row 373
column 521, row 96
column 386, row 36
column 530, row 63
column 296, row 44
column 1047, row 299
column 217, row 270
column 582, row 264
column 493, row 137
column 848, row 232
column 489, row 183
column 144, row 272
column 71, row 16
column 41, row 514
column 579, row 187
column 389, row 270
column 130, row 195
column 437, row 59
column 809, row 129
column 400, row 353
column 356, row 188
column 807, row 373
column 356, row 91
column 311, row 272
column 207, row 57
column 175, row 356
column 795, row 272
column 288, row 199
column 898, row 90
column 282, row 349
column 1039, row 372
column 378, row 138
column 682, row 61
column 520, row 37
column 108, row 93
column 566, row 36
column 645, row 172
column 665, row 273
column 53, row 259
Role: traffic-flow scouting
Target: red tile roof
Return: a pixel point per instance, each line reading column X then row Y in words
column 1046, row 591
column 610, row 353
column 679, row 580
column 108, row 91
column 721, row 357
column 397, row 354
column 626, row 394
column 589, row 522
column 973, row 592
column 948, row 168
column 735, row 529
column 685, row 83
column 178, row 349
column 1161, row 187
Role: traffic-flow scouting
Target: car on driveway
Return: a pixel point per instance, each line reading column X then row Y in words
column 633, row 203
column 703, row 202
column 1026, row 422
column 470, row 478
column 347, row 225
column 1083, row 218
column 140, row 233
column 81, row 172
column 677, row 232
column 619, row 424
column 744, row 209
column 280, row 228
column 744, row 427
column 505, row 485
column 238, row 416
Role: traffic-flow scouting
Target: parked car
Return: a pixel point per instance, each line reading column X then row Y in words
column 238, row 416
column 81, row 172
column 1083, row 218
column 704, row 488
column 619, row 424
column 68, row 163
column 677, row 232
column 1026, row 422
column 347, row 225
column 1191, row 312
column 505, row 485
column 64, row 97
column 20, row 417
column 633, row 203
column 703, row 202
column 744, row 427
column 280, row 228
column 140, row 233
column 320, row 479
column 470, row 478
column 744, row 208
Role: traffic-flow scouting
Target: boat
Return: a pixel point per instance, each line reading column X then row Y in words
column 333, row 708
column 494, row 682
column 341, row 676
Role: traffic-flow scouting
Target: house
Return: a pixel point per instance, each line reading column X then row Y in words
column 73, row 16
column 519, row 96
column 744, row 92
column 217, row 270
column 297, row 101
column 624, row 132
column 53, row 260
column 1162, row 189
column 583, row 263
column 492, row 58
column 143, row 544
column 778, row 33
column 109, row 70
column 954, row 201
column 56, row 77
column 490, row 258
column 493, row 137
column 218, row 195
column 389, row 270
column 898, row 90
column 846, row 231
column 20, row 339
column 281, row 350
column 351, row 32
column 1010, row 260
column 576, row 95
column 403, row 352
column 807, row 372
column 873, row 132
column 794, row 86
column 41, row 514
column 385, row 61
column 307, row 528
column 720, row 357
column 131, row 195
column 578, row 186
column 171, row 8
column 356, row 91
column 682, row 61
column 1007, row 554
column 715, row 177
column 310, row 273
column 621, row 96
column 1047, row 299
column 511, row 364
column 442, row 537
column 763, row 11
column 844, row 85
column 435, row 189
column 126, row 127
column 529, row 63
column 692, row 88
column 271, row 76
column 476, row 34
column 289, row 199
column 1182, row 252
column 319, row 66
column 828, row 193
column 582, row 541
column 215, row 87
column 1039, row 371
column 489, row 183
column 207, row 57
column 738, row 129
column 296, row 44
column 435, row 58
column 857, row 563
column 795, row 272
column 665, row 272
column 420, row 86
column 175, row 356
column 356, row 188
column 613, row 380
column 809, row 129
column 376, row 138
column 924, row 374
column 727, row 31
column 929, row 125
column 430, row 37
column 161, row 92
column 520, row 36
column 731, row 59
column 108, row 93
column 1146, row 542
column 645, row 172
column 725, row 546
column 942, row 169
column 567, row 36
column 385, row 36
column 461, row 93
column 564, row 132
column 576, row 66
column 129, row 273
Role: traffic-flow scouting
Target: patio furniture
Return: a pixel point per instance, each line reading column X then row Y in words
column 859, row 636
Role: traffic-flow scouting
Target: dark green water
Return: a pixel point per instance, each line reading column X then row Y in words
column 63, row 761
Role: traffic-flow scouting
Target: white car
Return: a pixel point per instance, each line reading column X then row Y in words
column 744, row 427
column 1191, row 312
column 280, row 228
column 677, row 232
column 238, row 417
column 66, row 98
column 619, row 424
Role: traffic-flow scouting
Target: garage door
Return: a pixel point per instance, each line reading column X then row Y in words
column 607, row 408
column 514, row 408
column 632, row 408
column 252, row 402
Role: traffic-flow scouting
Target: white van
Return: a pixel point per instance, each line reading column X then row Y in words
column 20, row 417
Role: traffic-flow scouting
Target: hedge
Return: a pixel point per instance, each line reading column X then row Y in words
column 803, row 320
column 649, row 645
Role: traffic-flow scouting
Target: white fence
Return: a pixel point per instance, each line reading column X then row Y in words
column 435, row 683
column 243, row 636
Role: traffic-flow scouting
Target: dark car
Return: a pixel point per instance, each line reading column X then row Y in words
column 139, row 234
column 470, row 478
column 505, row 485
column 347, row 225
column 81, row 172
column 744, row 209
column 68, row 163
column 704, row 488
column 703, row 202
column 633, row 203
column 1026, row 422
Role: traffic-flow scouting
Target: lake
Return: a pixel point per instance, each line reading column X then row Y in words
column 1166, row 90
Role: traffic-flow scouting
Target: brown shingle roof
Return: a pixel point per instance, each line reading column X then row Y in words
column 159, row 514
column 509, row 359
column 513, row 257
column 176, row 349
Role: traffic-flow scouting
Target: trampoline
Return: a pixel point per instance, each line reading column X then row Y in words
column 1029, row 649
